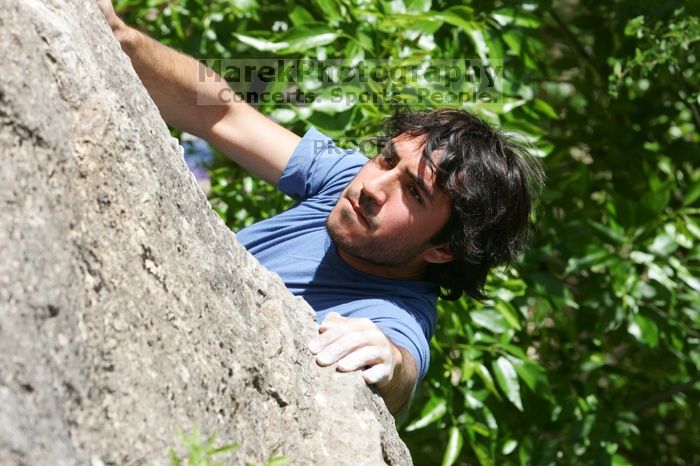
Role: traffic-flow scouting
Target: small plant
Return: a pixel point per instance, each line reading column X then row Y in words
column 201, row 452
column 275, row 461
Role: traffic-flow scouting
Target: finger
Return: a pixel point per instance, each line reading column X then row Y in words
column 332, row 319
column 319, row 342
column 376, row 374
column 341, row 347
column 360, row 358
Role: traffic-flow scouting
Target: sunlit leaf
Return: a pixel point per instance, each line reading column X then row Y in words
column 261, row 44
column 509, row 314
column 454, row 446
column 490, row 319
column 507, row 379
column 487, row 379
column 644, row 330
column 482, row 455
column 509, row 446
column 302, row 38
column 331, row 9
column 432, row 412
column 506, row 16
column 300, row 15
column 461, row 16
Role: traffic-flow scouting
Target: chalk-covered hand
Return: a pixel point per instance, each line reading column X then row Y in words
column 357, row 344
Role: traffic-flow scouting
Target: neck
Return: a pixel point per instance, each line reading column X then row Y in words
column 411, row 271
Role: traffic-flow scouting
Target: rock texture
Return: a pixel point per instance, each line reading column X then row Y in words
column 127, row 309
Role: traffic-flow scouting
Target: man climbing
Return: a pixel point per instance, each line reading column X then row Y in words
column 371, row 243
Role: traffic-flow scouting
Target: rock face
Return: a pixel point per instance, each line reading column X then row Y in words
column 127, row 308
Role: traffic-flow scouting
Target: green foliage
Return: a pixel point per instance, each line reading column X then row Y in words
column 665, row 47
column 200, row 452
column 587, row 351
column 240, row 199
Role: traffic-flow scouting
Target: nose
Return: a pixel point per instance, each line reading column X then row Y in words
column 377, row 188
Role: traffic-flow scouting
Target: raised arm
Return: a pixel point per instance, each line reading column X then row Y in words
column 172, row 79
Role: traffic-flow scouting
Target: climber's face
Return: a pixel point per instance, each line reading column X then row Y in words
column 384, row 219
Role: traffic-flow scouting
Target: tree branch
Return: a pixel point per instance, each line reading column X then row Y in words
column 576, row 43
column 663, row 396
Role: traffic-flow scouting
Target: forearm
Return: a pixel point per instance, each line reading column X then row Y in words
column 189, row 97
column 187, row 94
column 398, row 391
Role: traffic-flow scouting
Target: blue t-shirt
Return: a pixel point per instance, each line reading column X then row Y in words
column 296, row 246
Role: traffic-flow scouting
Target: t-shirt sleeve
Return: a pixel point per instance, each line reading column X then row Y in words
column 319, row 167
column 412, row 333
column 409, row 326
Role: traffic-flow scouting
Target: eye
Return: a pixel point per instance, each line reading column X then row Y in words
column 415, row 193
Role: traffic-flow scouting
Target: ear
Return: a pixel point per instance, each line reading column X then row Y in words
column 438, row 254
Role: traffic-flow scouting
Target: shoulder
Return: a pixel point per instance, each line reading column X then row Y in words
column 318, row 166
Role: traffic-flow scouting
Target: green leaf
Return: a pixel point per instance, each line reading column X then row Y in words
column 486, row 378
column 514, row 41
column 612, row 233
column 302, row 38
column 692, row 226
column 544, row 107
column 482, row 48
column 634, row 26
column 533, row 375
column 480, row 429
column 661, row 275
column 490, row 319
column 330, row 8
column 300, row 15
column 663, row 245
column 278, row 460
column 328, row 100
column 460, row 16
column 509, row 314
column 224, row 449
column 507, row 379
column 432, row 412
column 691, row 281
column 575, row 264
column 619, row 460
column 509, row 446
column 506, row 16
column 482, row 454
column 692, row 195
column 262, row 45
column 421, row 6
column 174, row 458
column 644, row 330
column 454, row 446
column 506, row 106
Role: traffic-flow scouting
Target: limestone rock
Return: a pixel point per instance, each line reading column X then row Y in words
column 127, row 308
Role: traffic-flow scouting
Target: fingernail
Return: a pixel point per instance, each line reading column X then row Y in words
column 314, row 346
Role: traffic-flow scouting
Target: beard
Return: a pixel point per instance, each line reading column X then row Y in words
column 397, row 250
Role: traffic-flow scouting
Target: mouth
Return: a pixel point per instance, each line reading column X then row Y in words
column 358, row 211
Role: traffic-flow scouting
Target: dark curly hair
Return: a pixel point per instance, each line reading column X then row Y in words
column 493, row 182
